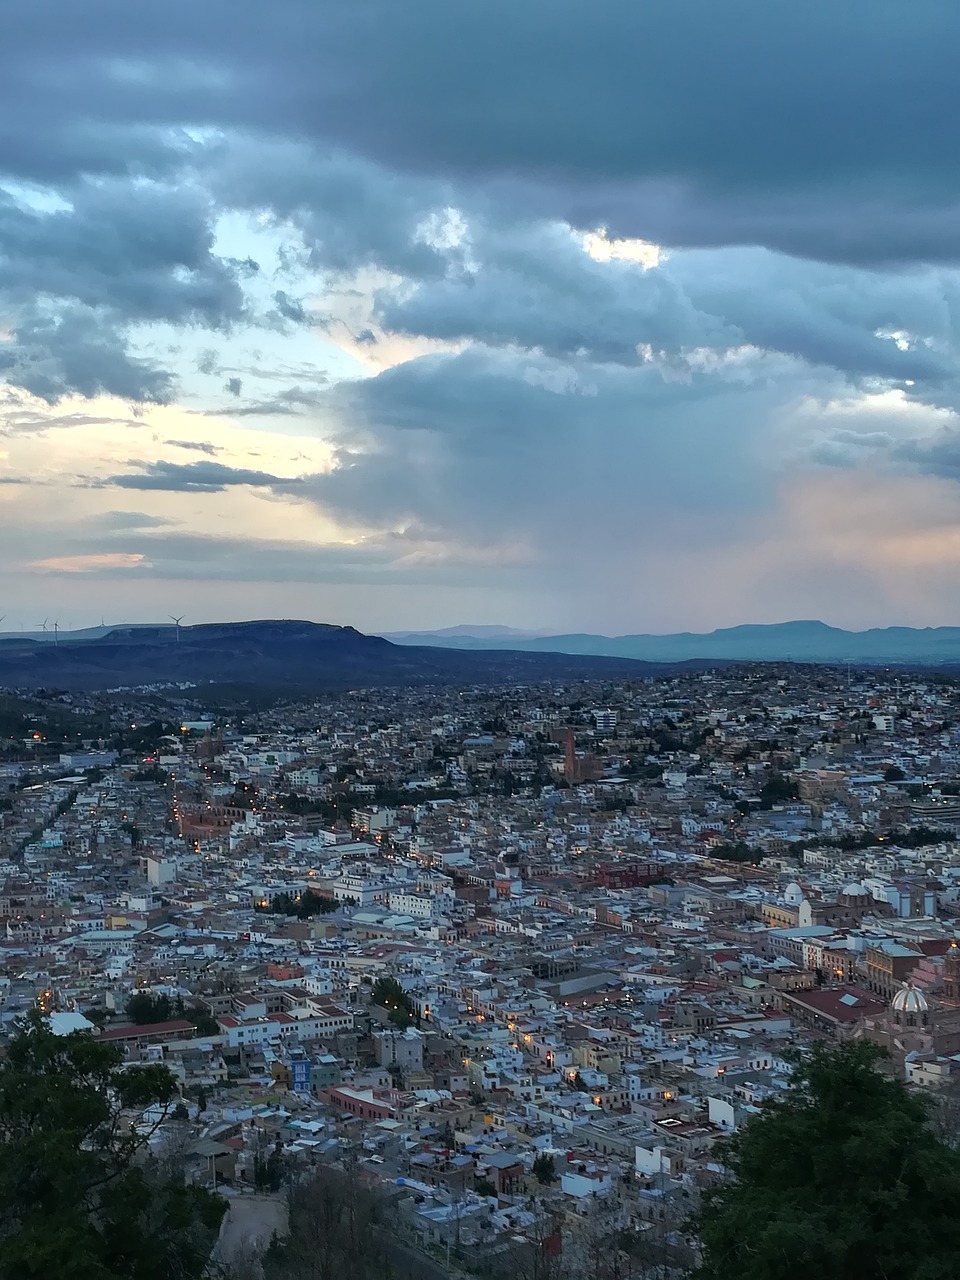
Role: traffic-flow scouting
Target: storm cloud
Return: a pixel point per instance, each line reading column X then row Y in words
column 534, row 289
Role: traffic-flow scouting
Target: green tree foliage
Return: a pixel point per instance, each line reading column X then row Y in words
column 307, row 905
column 150, row 773
column 79, row 1198
column 390, row 995
column 145, row 1007
column 67, row 803
column 133, row 831
column 843, row 1179
column 203, row 1023
column 145, row 738
column 904, row 837
column 739, row 852
column 544, row 1169
column 777, row 790
column 388, row 992
column 268, row 1170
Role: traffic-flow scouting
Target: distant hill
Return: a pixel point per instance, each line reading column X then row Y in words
column 464, row 630
column 304, row 655
column 778, row 642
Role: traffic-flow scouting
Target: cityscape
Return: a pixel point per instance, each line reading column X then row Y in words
column 479, row 640
column 522, row 956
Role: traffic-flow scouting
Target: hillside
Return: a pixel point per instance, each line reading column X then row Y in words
column 305, row 655
column 803, row 641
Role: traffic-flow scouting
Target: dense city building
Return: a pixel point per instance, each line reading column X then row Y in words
column 502, row 948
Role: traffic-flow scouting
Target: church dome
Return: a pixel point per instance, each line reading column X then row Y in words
column 793, row 895
column 909, row 999
column 855, row 890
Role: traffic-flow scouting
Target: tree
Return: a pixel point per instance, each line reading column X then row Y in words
column 79, row 1198
column 152, row 773
column 268, row 1172
column 777, row 790
column 204, row 1023
column 842, row 1178
column 145, row 1007
column 894, row 774
column 544, row 1169
column 339, row 1227
column 307, row 905
column 389, row 994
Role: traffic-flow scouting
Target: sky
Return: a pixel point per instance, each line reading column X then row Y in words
column 631, row 316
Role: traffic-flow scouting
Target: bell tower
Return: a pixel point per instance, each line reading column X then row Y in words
column 951, row 975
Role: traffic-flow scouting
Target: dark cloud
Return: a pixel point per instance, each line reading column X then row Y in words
column 208, row 362
column 74, row 280
column 192, row 477
column 350, row 213
column 674, row 121
column 142, row 251
column 938, row 455
column 254, row 409
column 199, row 446
column 487, row 445
column 20, row 421
column 290, row 308
column 77, row 351
column 341, row 131
column 532, row 285
column 288, row 403
column 444, row 159
column 850, row 448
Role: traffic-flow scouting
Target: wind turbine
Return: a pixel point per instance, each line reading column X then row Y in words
column 43, row 626
column 56, row 633
column 176, row 622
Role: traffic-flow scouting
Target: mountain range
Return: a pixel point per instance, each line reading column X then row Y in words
column 802, row 641
column 279, row 654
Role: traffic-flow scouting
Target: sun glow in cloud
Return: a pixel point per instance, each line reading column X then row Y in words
column 602, row 249
column 332, row 335
column 88, row 564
